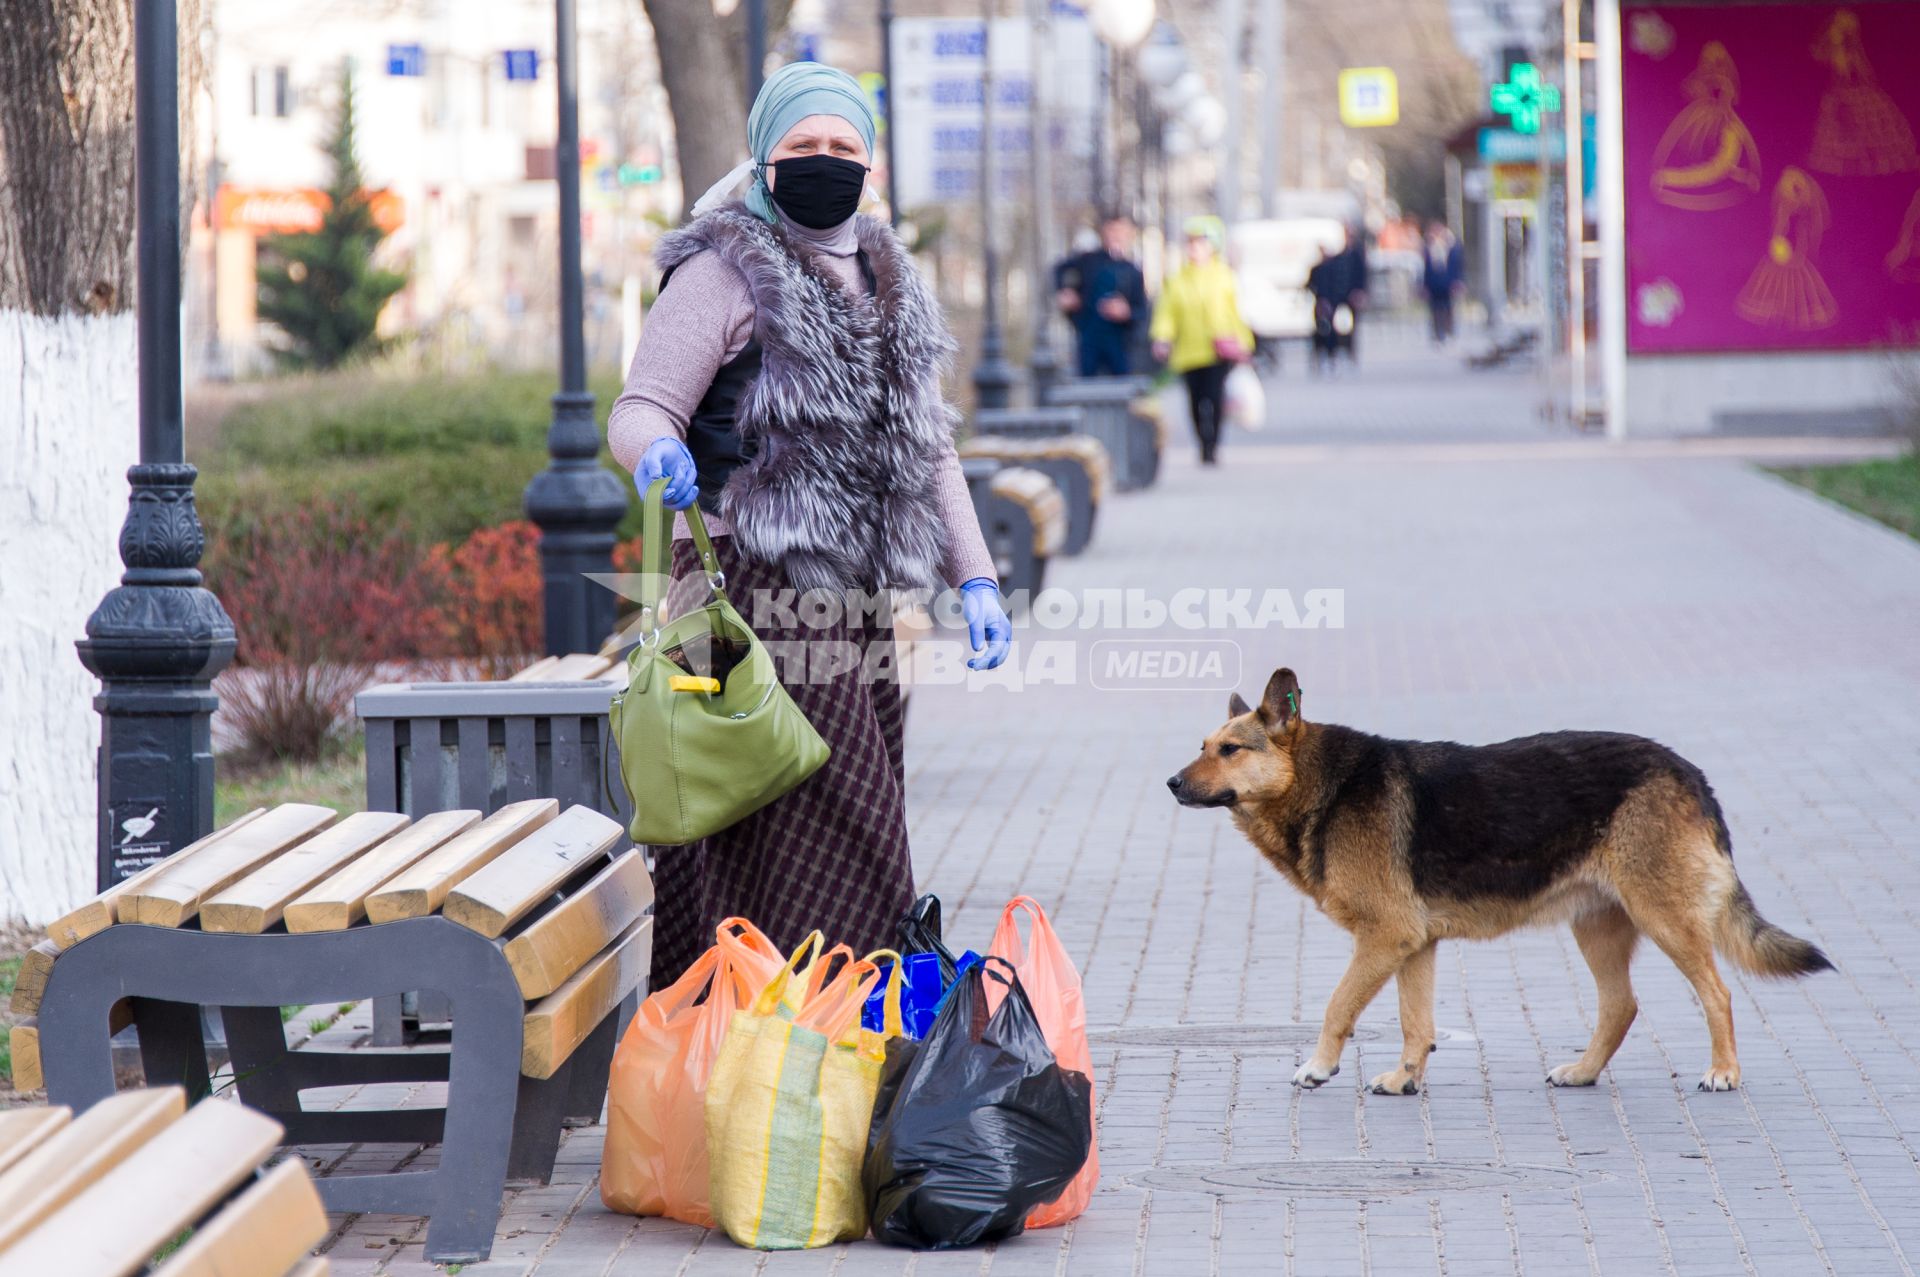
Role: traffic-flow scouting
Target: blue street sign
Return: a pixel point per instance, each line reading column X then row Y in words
column 522, row 64
column 406, row 60
column 1505, row 146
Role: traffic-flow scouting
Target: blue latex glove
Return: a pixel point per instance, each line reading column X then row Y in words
column 988, row 628
column 668, row 459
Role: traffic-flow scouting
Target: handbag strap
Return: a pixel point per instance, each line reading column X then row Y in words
column 656, row 555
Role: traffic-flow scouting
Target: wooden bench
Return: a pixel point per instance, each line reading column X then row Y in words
column 98, row 1195
column 532, row 922
column 1077, row 464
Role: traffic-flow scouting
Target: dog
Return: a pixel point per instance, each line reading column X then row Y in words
column 1408, row 843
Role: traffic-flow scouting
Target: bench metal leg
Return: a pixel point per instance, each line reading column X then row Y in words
column 593, row 1060
column 541, row 1109
column 389, row 1025
column 171, row 1047
column 257, row 1048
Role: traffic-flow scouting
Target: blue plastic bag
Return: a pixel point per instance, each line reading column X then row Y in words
column 920, row 1001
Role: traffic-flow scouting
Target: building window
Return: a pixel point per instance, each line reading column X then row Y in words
column 272, row 95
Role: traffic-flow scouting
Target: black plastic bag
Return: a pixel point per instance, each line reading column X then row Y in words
column 920, row 933
column 975, row 1126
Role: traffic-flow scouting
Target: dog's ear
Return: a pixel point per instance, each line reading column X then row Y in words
column 1280, row 707
column 1236, row 707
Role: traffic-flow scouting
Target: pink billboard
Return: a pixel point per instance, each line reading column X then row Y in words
column 1772, row 176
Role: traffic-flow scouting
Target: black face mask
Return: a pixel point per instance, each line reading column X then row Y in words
column 818, row 191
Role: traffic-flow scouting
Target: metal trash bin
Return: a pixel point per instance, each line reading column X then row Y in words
column 1131, row 440
column 443, row 746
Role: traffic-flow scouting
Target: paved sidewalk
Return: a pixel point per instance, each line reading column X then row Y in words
column 1767, row 636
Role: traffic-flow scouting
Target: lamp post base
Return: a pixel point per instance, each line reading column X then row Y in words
column 576, row 503
column 155, row 642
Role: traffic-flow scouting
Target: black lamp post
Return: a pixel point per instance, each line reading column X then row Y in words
column 1042, row 363
column 158, row 638
column 575, row 501
column 886, row 75
column 756, row 48
column 993, row 375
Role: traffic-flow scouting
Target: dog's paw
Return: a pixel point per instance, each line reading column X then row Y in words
column 1726, row 1079
column 1310, row 1075
column 1397, row 1082
column 1571, row 1075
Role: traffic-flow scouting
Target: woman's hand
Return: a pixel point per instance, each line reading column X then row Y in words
column 988, row 628
column 668, row 459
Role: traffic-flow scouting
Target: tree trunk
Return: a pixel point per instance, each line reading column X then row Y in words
column 703, row 65
column 703, row 88
column 68, row 428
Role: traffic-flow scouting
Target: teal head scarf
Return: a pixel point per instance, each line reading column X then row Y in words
column 790, row 95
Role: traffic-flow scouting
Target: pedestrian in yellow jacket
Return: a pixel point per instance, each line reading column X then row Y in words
column 1198, row 331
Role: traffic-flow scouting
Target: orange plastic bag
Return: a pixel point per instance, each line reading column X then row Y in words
column 655, row 1161
column 1053, row 986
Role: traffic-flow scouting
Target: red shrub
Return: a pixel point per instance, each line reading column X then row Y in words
column 318, row 597
column 494, row 605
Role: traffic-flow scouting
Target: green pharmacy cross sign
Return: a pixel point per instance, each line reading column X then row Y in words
column 1525, row 97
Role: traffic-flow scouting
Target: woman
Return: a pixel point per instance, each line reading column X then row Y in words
column 788, row 379
column 1197, row 330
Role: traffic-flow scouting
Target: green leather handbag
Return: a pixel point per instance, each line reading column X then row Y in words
column 701, row 747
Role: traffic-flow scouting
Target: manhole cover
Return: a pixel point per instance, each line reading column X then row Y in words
column 1351, row 1177
column 1236, row 1037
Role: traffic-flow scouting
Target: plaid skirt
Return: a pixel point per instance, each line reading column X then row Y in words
column 832, row 852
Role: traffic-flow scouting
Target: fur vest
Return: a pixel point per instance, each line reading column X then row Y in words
column 846, row 421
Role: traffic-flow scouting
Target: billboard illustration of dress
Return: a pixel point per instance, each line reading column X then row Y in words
column 1772, row 176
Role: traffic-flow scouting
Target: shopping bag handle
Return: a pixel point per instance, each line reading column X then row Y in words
column 834, row 1011
column 1009, row 926
column 775, row 992
column 656, row 555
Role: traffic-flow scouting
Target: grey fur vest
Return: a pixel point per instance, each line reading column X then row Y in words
column 846, row 415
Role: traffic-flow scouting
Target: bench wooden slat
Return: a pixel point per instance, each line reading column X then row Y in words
column 420, row 889
column 175, row 896
column 499, row 894
column 545, row 954
column 99, row 913
column 536, row 671
column 341, row 900
column 256, row 902
column 561, row 1021
column 23, row 1044
column 21, row 1130
column 580, row 665
column 30, row 982
column 91, row 1145
column 267, row 1229
column 113, row 1226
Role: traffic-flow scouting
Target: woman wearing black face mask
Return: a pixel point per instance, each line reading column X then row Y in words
column 788, row 379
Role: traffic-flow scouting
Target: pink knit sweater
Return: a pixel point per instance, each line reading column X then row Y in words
column 704, row 320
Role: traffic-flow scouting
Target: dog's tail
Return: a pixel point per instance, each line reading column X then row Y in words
column 1753, row 943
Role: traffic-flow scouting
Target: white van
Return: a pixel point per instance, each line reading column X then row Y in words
column 1271, row 260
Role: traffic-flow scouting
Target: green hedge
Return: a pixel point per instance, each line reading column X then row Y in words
column 440, row 456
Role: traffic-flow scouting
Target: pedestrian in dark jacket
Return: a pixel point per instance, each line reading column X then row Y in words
column 1443, row 278
column 1339, row 287
column 1105, row 295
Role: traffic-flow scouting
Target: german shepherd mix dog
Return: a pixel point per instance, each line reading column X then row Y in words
column 1408, row 843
